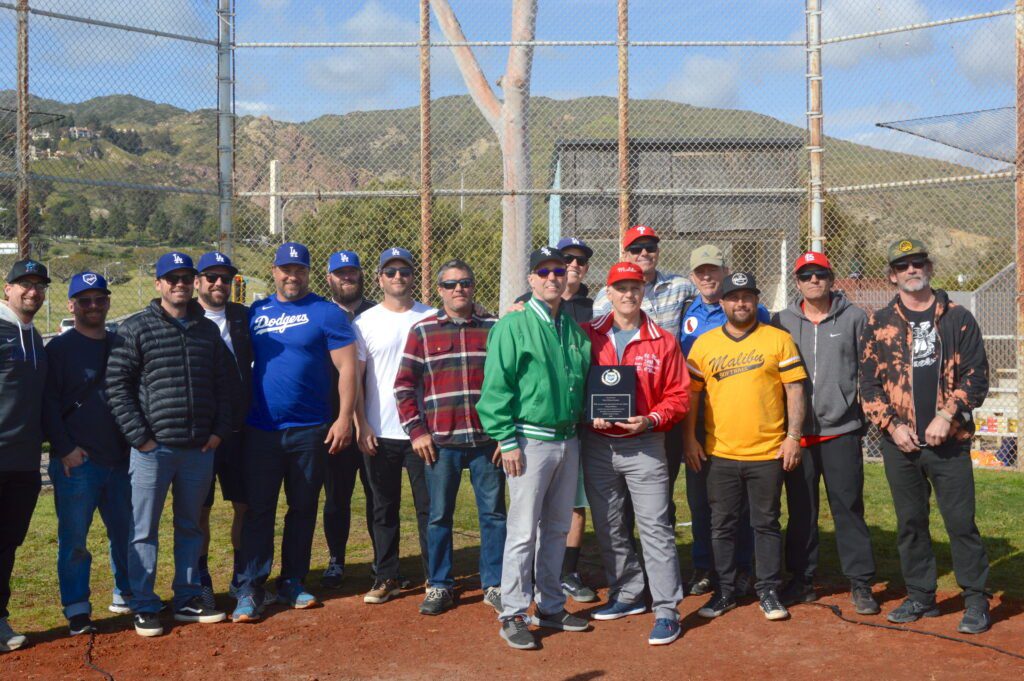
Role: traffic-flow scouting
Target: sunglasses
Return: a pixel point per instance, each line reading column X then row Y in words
column 904, row 265
column 580, row 260
column 96, row 301
column 175, row 279
column 450, row 284
column 544, row 272
column 390, row 272
column 637, row 250
column 213, row 278
column 820, row 274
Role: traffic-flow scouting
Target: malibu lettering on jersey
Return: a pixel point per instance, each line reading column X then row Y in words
column 266, row 324
column 724, row 366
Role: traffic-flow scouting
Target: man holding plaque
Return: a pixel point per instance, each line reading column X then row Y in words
column 637, row 392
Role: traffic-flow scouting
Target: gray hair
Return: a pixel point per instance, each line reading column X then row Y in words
column 455, row 264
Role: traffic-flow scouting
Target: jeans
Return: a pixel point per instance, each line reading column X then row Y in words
column 76, row 498
column 385, row 469
column 296, row 457
column 339, row 483
column 19, row 491
column 187, row 472
column 488, row 480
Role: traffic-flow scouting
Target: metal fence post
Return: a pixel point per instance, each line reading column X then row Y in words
column 426, row 186
column 1019, row 220
column 225, row 121
column 814, row 123
column 623, row 47
column 22, row 155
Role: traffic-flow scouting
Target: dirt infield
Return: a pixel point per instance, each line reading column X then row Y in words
column 346, row 639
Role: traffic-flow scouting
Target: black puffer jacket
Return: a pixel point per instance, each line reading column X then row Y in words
column 238, row 327
column 172, row 382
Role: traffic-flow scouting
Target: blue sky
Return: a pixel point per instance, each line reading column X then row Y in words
column 921, row 73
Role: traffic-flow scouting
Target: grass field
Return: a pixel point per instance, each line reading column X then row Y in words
column 35, row 604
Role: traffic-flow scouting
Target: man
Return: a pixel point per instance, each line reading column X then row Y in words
column 23, row 371
column 630, row 456
column 216, row 274
column 171, row 391
column 382, row 332
column 291, row 427
column 437, row 384
column 752, row 377
column 923, row 371
column 530, row 402
column 345, row 279
column 827, row 330
column 701, row 314
column 88, row 454
column 577, row 304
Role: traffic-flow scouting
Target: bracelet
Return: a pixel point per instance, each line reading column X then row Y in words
column 793, row 437
column 944, row 416
column 648, row 422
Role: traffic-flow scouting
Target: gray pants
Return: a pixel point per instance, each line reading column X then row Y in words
column 613, row 467
column 539, row 515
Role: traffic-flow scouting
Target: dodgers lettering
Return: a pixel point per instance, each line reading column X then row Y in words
column 266, row 324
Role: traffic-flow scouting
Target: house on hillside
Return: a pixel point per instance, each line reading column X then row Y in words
column 78, row 133
column 37, row 135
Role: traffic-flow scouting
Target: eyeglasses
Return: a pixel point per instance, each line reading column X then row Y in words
column 637, row 250
column 450, row 284
column 213, row 277
column 580, row 260
column 175, row 279
column 95, row 301
column 545, row 272
column 917, row 263
column 820, row 274
column 390, row 272
column 28, row 286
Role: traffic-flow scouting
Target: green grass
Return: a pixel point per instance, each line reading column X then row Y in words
column 36, row 602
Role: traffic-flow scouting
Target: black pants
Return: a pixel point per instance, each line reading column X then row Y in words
column 385, row 469
column 841, row 463
column 911, row 478
column 339, row 483
column 759, row 483
column 674, row 459
column 18, row 493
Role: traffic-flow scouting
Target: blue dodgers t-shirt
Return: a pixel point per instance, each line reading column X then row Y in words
column 291, row 366
column 703, row 317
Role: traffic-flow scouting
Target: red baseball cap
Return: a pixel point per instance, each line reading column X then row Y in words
column 812, row 258
column 638, row 232
column 624, row 271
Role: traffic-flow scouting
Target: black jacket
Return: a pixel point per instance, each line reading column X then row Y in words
column 241, row 343
column 580, row 307
column 170, row 381
column 22, row 379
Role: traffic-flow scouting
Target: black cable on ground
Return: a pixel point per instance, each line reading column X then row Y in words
column 88, row 658
column 839, row 613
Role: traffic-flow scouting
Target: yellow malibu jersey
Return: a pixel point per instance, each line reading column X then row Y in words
column 745, row 403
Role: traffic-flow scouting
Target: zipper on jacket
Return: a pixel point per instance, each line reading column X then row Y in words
column 188, row 379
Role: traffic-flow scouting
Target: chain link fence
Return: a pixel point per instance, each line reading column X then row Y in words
column 481, row 129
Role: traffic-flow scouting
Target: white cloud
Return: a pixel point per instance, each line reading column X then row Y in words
column 987, row 59
column 848, row 17
column 705, row 81
column 862, row 116
column 254, row 108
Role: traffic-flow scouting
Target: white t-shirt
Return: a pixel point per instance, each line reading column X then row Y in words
column 221, row 320
column 380, row 338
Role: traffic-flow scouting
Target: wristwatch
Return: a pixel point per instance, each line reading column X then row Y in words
column 941, row 413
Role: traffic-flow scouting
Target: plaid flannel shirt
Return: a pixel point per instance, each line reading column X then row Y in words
column 663, row 300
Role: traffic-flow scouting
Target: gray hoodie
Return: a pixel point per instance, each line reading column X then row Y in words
column 22, row 379
column 831, row 352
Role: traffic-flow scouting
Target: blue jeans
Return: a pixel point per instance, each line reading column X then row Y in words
column 90, row 486
column 188, row 472
column 295, row 456
column 488, row 480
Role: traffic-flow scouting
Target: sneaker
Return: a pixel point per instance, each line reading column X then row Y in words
column 772, row 607
column 404, row 582
column 976, row 620
column 147, row 624
column 333, row 575
column 81, row 624
column 196, row 611
column 616, row 609
column 717, row 606
column 297, row 599
column 700, row 583
column 864, row 601
column 665, row 631
column 911, row 611
column 797, row 591
column 516, row 632
column 492, row 597
column 562, row 620
column 574, row 588
column 9, row 638
column 120, row 608
column 437, row 600
column 248, row 609
column 383, row 590
column 208, row 599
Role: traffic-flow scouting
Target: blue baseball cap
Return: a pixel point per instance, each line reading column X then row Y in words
column 343, row 259
column 86, row 281
column 216, row 259
column 396, row 253
column 572, row 242
column 174, row 260
column 291, row 253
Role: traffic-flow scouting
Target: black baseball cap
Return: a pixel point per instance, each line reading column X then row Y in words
column 740, row 281
column 546, row 254
column 27, row 268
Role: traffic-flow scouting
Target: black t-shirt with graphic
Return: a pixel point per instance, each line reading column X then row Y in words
column 926, row 365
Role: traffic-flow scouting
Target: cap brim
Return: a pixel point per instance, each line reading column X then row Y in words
column 397, row 257
column 85, row 290
column 755, row 291
column 908, row 255
column 46, row 280
column 706, row 261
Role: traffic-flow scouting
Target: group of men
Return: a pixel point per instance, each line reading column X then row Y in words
column 311, row 393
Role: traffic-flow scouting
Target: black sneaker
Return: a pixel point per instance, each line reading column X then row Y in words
column 147, row 624
column 976, row 620
column 516, row 632
column 81, row 624
column 797, row 591
column 196, row 611
column 565, row 621
column 772, row 607
column 864, row 601
column 717, row 606
column 700, row 583
column 437, row 601
column 574, row 588
column 404, row 581
column 911, row 611
column 334, row 575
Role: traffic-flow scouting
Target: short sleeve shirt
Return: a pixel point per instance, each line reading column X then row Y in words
column 291, row 344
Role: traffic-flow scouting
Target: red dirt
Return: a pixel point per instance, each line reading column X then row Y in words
column 346, row 639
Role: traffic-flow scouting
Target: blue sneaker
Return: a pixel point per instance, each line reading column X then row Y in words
column 616, row 609
column 248, row 609
column 664, row 632
column 298, row 599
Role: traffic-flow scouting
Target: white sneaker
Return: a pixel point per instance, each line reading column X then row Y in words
column 120, row 608
column 9, row 638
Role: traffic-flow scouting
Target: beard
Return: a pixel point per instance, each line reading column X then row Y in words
column 916, row 285
column 343, row 298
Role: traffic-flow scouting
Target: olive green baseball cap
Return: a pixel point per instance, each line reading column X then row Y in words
column 905, row 247
column 706, row 255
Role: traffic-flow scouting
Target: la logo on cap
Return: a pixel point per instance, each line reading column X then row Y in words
column 292, row 252
column 576, row 241
column 219, row 257
column 344, row 258
column 177, row 259
column 89, row 278
column 395, row 251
